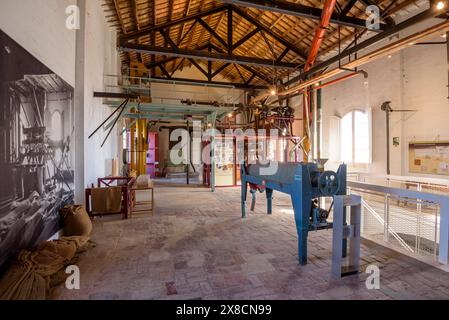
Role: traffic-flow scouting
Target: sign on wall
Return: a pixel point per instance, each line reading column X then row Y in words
column 429, row 157
column 36, row 149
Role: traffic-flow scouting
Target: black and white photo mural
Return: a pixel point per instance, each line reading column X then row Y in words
column 36, row 149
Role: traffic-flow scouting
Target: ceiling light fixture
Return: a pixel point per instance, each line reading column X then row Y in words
column 284, row 132
column 440, row 5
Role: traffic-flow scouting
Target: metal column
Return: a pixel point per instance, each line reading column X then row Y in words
column 212, row 152
column 447, row 46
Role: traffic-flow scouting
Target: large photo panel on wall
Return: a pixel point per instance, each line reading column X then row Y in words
column 36, row 149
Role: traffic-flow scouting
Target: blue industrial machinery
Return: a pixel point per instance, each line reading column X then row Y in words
column 306, row 183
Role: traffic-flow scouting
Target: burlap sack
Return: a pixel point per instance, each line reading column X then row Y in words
column 33, row 274
column 143, row 181
column 76, row 221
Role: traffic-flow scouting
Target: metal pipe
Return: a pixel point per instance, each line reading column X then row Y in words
column 313, row 99
column 189, row 145
column 335, row 81
column 388, row 142
column 394, row 47
column 329, row 83
column 384, row 51
column 319, row 120
column 447, row 48
column 326, row 15
column 430, row 13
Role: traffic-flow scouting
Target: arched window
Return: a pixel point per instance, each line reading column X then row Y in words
column 56, row 133
column 355, row 144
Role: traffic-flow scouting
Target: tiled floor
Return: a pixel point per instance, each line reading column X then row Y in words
column 196, row 246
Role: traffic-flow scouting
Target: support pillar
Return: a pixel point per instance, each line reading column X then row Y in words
column 212, row 152
column 79, row 105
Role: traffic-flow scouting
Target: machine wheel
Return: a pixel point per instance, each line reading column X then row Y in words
column 328, row 183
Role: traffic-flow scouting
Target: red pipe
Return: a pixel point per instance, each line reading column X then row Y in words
column 326, row 15
column 348, row 76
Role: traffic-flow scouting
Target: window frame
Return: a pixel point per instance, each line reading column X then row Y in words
column 368, row 113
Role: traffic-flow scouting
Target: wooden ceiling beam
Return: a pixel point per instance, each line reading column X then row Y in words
column 219, row 83
column 164, row 71
column 278, row 38
column 149, row 30
column 177, row 66
column 220, row 69
column 186, row 13
column 299, row 10
column 248, row 82
column 348, row 7
column 388, row 20
column 240, row 74
column 248, row 36
column 248, row 68
column 230, row 30
column 212, row 32
column 187, row 33
column 119, row 16
column 203, row 55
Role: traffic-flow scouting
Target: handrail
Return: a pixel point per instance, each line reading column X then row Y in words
column 168, row 81
column 417, row 179
column 441, row 200
column 430, row 197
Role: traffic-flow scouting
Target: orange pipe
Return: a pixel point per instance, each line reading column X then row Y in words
column 326, row 15
column 348, row 76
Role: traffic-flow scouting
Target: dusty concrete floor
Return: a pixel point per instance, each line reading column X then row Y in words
column 196, row 246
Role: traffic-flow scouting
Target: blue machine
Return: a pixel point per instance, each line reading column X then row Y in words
column 306, row 184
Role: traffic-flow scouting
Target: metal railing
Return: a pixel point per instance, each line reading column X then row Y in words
column 173, row 89
column 430, row 185
column 408, row 220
